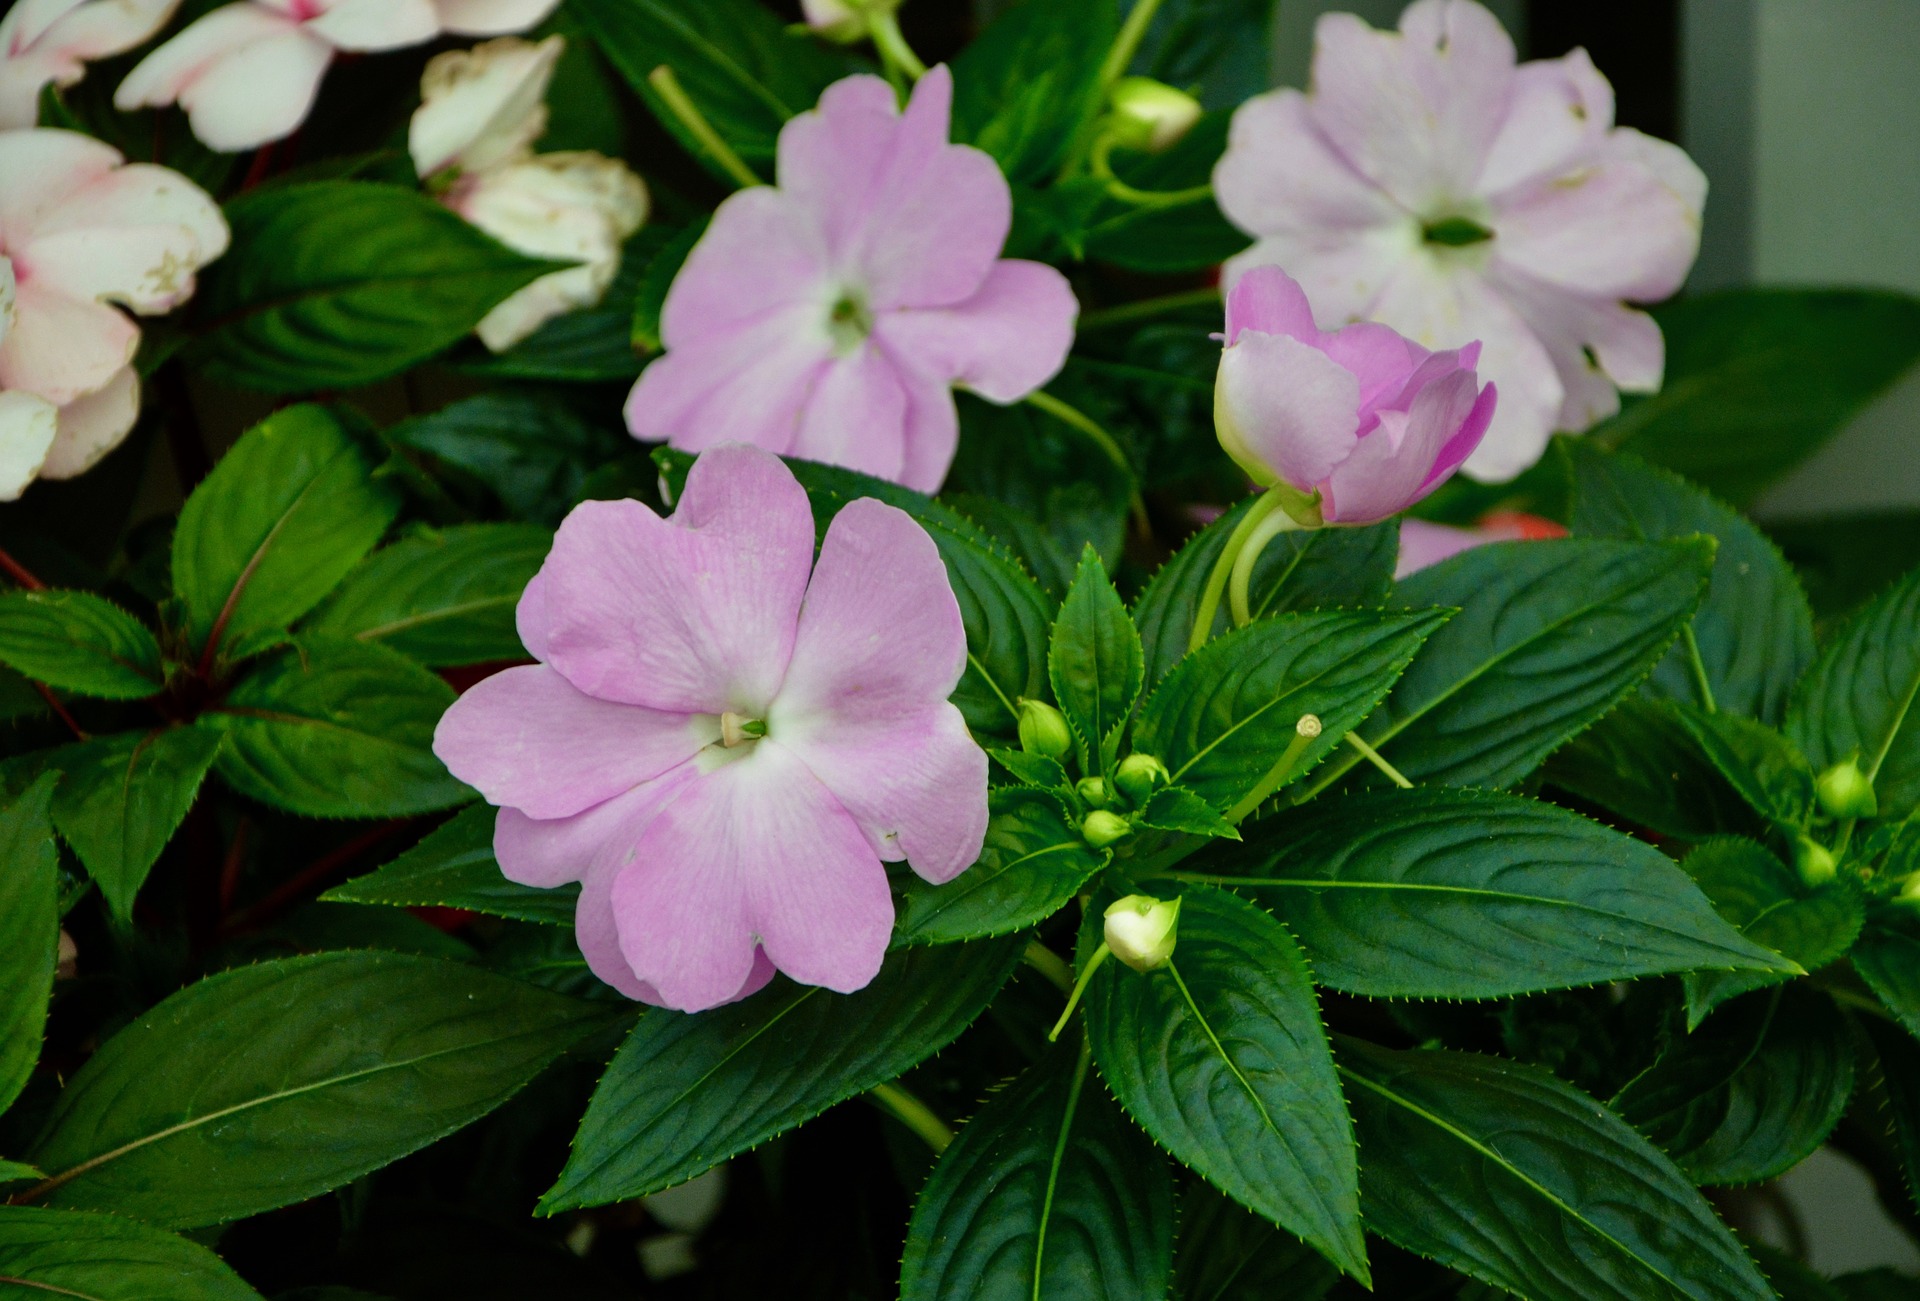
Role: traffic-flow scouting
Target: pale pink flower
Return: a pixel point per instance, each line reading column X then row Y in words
column 45, row 42
column 831, row 317
column 1369, row 420
column 1427, row 182
column 1423, row 543
column 723, row 749
column 247, row 73
column 79, row 233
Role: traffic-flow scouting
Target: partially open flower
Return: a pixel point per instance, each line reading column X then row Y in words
column 1142, row 930
column 45, row 42
column 1370, row 421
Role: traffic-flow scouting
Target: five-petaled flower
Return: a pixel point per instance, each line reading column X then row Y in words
column 1428, row 183
column 1368, row 420
column 50, row 42
column 722, row 747
column 830, row 317
column 80, row 231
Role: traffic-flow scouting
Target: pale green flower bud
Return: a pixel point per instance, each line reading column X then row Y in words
column 1102, row 828
column 1141, row 930
column 1095, row 791
column 1139, row 776
column 1150, row 115
column 1043, row 729
column 1815, row 862
column 1846, row 792
column 844, row 21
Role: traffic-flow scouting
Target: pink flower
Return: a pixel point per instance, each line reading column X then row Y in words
column 1428, row 183
column 248, row 73
column 51, row 41
column 79, row 232
column 1423, row 543
column 830, row 318
column 722, row 749
column 1369, row 420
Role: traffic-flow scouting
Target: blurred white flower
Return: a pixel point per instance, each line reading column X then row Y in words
column 482, row 107
column 51, row 41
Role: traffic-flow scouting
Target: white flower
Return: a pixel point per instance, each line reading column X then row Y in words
column 1428, row 183
column 482, row 107
column 52, row 41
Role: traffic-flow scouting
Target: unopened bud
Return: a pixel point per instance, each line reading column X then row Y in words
column 1815, row 862
column 1141, row 930
column 1101, row 828
column 1095, row 791
column 1910, row 889
column 844, row 21
column 1043, row 729
column 1308, row 726
column 1150, row 115
column 1139, row 776
column 1846, row 792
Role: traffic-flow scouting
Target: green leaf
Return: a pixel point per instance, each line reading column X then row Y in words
column 1504, row 1173
column 1550, row 636
column 274, row 1083
column 662, row 269
column 1094, row 663
column 1754, row 632
column 1226, row 713
column 1764, row 767
column 454, row 867
column 1472, row 894
column 335, row 284
column 1757, row 379
column 1750, row 1093
column 1887, row 956
column 1643, row 762
column 19, row 1172
column 1164, row 240
column 1765, row 898
column 590, row 345
column 79, row 642
column 105, row 1258
column 337, row 728
column 1026, row 86
column 1862, row 697
column 1175, row 808
column 442, row 597
column 123, row 796
column 741, row 68
column 1307, row 569
column 685, row 1092
column 1227, row 1253
column 1221, row 1057
column 1048, row 1191
column 527, row 447
column 280, row 521
column 1032, row 769
column 1032, row 863
column 1847, row 559
column 1897, row 1083
column 29, row 933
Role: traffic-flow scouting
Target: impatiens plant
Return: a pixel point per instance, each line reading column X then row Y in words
column 929, row 656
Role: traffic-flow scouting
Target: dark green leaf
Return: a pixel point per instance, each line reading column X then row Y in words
column 1032, row 769
column 1550, row 636
column 1898, row 1086
column 1164, row 240
column 1221, row 1057
column 1029, row 541
column 29, row 933
column 122, row 797
column 1472, row 894
column 685, row 1092
column 337, row 728
column 1032, row 863
column 1094, row 663
column 443, row 597
column 19, row 1172
column 1643, row 762
column 1506, row 1174
column 1024, row 89
column 1759, row 378
column 1221, row 46
column 1048, row 1191
column 48, row 1254
column 273, row 1083
column 1226, row 713
column 1178, row 809
column 454, row 867
column 280, row 521
column 1862, row 697
column 651, row 300
column 334, row 284
column 1847, row 559
column 586, row 346
column 1764, row 767
column 1887, row 956
column 79, row 642
column 529, row 448
column 1754, row 631
column 1882, row 1284
column 1227, row 1253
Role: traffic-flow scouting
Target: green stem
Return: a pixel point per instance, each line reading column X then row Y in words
column 1699, row 669
column 1099, row 163
column 668, row 88
column 1304, row 733
column 1379, row 761
column 1223, row 568
column 1147, row 308
column 1049, row 964
column 1127, row 43
column 1078, row 419
column 1276, row 523
column 884, row 28
column 914, row 1114
column 1100, row 955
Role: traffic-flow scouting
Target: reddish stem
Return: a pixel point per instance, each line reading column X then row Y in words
column 314, row 875
column 80, row 733
column 258, row 168
column 230, row 869
column 20, row 574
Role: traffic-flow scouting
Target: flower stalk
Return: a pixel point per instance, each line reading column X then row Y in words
column 667, row 86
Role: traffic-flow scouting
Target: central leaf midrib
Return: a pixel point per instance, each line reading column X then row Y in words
column 424, row 617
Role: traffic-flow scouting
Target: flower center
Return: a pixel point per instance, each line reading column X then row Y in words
column 738, row 729
column 1455, row 232
column 849, row 323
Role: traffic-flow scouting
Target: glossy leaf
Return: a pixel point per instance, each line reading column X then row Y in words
column 1862, row 697
column 105, row 1258
column 1175, row 808
column 454, row 867
column 1887, row 956
column 1048, row 1191
column 1506, row 1174
column 1027, row 83
column 1897, row 1084
column 79, row 642
column 273, row 1083
column 29, row 933
column 337, row 728
column 1094, row 663
column 1221, row 1057
column 1766, row 768
column 527, row 448
column 444, row 597
column 1033, row 862
column 1471, row 894
column 276, row 526
column 334, row 284
column 1227, row 1253
column 685, row 1092
column 1643, row 762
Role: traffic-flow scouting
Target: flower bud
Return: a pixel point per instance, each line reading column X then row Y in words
column 1141, row 930
column 1150, row 115
column 844, row 21
column 1101, row 828
column 1043, row 729
column 1909, row 890
column 1095, row 791
column 1846, row 792
column 1139, row 776
column 1815, row 862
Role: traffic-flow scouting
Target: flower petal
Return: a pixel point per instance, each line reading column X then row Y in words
column 28, row 426
column 1285, row 408
column 135, row 236
column 492, row 17
column 260, row 93
column 1561, row 110
column 136, row 195
column 85, row 31
column 747, row 385
column 483, row 106
column 1409, row 451
column 93, row 425
column 527, row 739
column 43, row 168
column 932, row 430
column 1003, row 343
column 695, row 614
column 1280, row 174
column 164, row 75
column 856, row 416
column 1598, row 346
column 63, row 348
column 368, row 25
column 761, row 252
